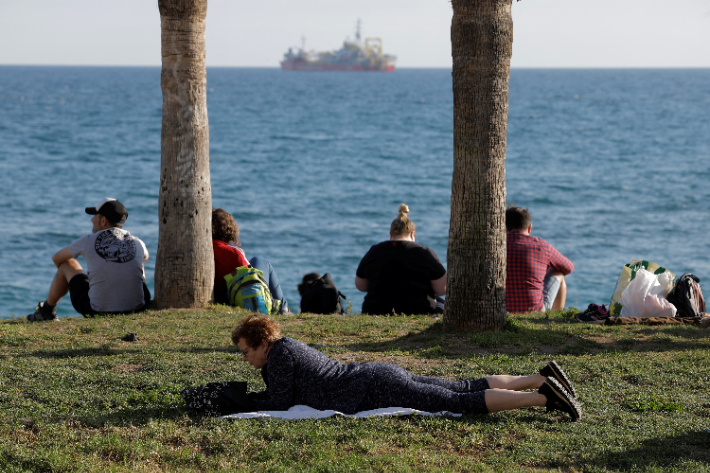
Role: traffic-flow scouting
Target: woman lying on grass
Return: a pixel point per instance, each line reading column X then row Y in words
column 295, row 374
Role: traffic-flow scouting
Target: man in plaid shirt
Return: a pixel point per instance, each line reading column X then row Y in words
column 536, row 270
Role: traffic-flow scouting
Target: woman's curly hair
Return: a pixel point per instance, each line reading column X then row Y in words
column 224, row 227
column 255, row 328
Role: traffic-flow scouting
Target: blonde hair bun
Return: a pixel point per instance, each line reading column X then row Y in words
column 402, row 225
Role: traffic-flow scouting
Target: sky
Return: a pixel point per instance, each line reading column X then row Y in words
column 547, row 33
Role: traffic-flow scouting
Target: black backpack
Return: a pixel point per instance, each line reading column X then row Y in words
column 687, row 297
column 221, row 398
column 322, row 297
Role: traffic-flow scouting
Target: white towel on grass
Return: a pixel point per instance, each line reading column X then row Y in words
column 305, row 412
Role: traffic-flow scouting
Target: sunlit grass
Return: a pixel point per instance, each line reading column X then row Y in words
column 74, row 396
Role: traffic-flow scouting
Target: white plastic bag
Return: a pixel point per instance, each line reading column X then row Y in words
column 666, row 280
column 645, row 296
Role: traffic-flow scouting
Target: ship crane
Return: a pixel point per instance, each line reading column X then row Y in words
column 359, row 55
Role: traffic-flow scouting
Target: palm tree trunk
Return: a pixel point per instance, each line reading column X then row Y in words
column 184, row 268
column 482, row 44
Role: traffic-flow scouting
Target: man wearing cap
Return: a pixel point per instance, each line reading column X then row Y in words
column 114, row 258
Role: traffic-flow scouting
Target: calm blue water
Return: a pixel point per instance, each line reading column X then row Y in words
column 613, row 165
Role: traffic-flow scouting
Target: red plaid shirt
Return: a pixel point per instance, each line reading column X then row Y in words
column 529, row 258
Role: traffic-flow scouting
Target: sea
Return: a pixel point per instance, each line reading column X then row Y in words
column 611, row 163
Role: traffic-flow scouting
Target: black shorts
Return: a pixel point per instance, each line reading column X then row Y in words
column 79, row 294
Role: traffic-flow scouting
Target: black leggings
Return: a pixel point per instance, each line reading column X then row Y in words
column 393, row 386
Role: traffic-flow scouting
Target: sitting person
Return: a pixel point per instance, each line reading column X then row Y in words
column 536, row 270
column 296, row 374
column 400, row 275
column 228, row 257
column 115, row 283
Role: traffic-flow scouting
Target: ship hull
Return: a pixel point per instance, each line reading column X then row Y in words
column 290, row 65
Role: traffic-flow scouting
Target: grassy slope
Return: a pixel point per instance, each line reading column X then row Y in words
column 73, row 396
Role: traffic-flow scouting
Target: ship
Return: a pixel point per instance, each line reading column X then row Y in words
column 355, row 55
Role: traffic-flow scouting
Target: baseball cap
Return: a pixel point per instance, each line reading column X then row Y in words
column 110, row 208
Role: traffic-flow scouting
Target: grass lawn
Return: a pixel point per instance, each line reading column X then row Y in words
column 75, row 397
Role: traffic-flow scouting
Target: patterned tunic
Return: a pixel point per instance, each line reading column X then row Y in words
column 298, row 374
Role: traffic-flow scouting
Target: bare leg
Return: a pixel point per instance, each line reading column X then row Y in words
column 561, row 298
column 505, row 400
column 515, row 383
column 60, row 284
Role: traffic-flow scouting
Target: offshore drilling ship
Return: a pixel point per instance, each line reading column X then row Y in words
column 353, row 56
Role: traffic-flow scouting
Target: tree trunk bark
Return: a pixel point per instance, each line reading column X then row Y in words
column 184, row 268
column 482, row 44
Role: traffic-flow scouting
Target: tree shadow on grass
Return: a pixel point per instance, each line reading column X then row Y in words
column 664, row 452
column 109, row 351
column 222, row 349
column 135, row 416
column 687, row 331
column 516, row 338
column 531, row 415
column 81, row 352
column 434, row 341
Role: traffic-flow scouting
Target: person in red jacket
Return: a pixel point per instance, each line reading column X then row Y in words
column 536, row 270
column 228, row 256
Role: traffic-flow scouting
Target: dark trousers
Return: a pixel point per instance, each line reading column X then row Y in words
column 393, row 386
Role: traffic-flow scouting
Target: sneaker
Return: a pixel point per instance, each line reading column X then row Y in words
column 595, row 314
column 559, row 399
column 553, row 370
column 43, row 313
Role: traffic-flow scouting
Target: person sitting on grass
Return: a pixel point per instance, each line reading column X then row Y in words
column 228, row 257
column 536, row 270
column 296, row 374
column 115, row 264
column 401, row 276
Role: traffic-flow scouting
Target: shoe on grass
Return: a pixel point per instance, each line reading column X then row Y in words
column 553, row 370
column 43, row 313
column 559, row 399
column 595, row 314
